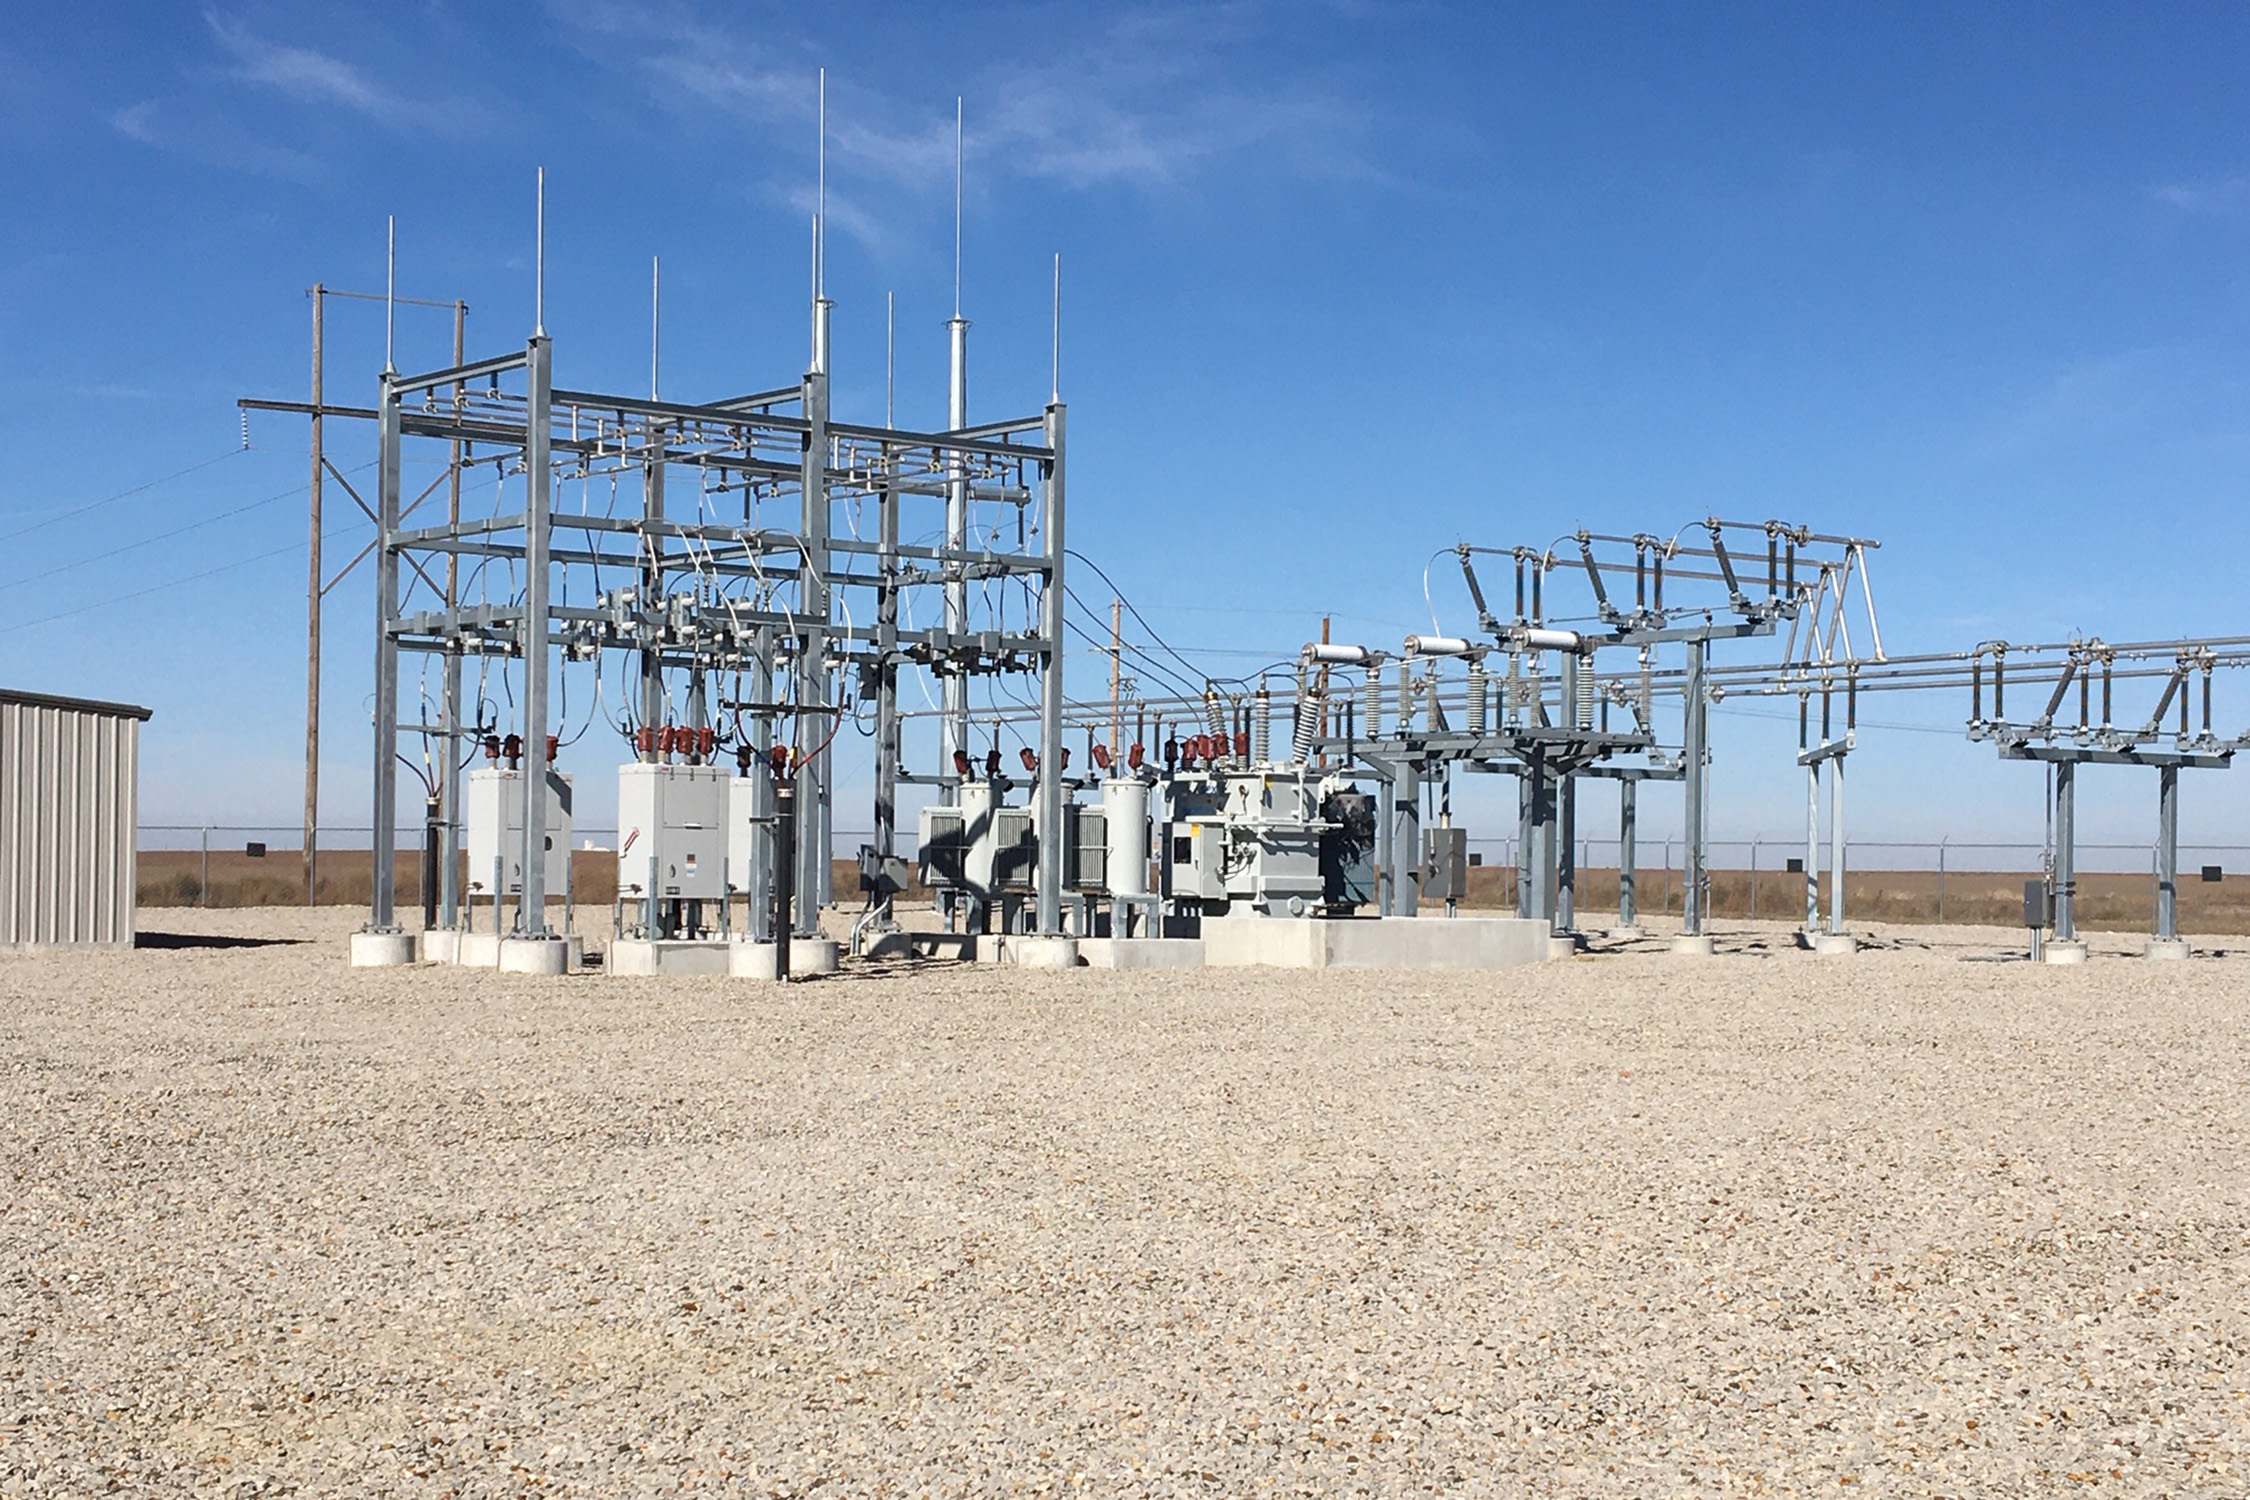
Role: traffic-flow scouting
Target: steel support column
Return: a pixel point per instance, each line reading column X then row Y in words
column 1694, row 742
column 1050, row 817
column 2167, row 852
column 381, row 916
column 2066, row 851
column 1628, row 817
column 538, row 527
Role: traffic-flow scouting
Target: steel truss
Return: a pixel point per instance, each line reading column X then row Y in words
column 709, row 595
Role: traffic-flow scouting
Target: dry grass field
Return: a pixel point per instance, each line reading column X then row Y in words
column 174, row 877
column 1631, row 1225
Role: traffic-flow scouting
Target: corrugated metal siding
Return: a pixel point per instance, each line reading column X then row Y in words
column 69, row 780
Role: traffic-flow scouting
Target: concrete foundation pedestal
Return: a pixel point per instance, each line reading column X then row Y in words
column 2073, row 952
column 811, row 955
column 2168, row 948
column 1044, row 952
column 1834, row 944
column 642, row 957
column 749, row 960
column 382, row 950
column 441, row 945
column 1141, row 953
column 534, row 955
column 1562, row 945
column 1696, row 944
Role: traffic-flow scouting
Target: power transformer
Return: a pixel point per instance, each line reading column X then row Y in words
column 493, row 811
column 672, row 831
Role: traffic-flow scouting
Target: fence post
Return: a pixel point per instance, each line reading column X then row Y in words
column 1753, row 880
column 1941, row 882
column 203, row 883
column 1667, row 877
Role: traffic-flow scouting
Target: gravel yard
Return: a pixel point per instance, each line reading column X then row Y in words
column 1626, row 1225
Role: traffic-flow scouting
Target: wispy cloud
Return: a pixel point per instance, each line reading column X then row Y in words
column 1146, row 101
column 2225, row 195
column 316, row 78
column 201, row 135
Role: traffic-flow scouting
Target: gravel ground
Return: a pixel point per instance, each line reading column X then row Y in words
column 1624, row 1225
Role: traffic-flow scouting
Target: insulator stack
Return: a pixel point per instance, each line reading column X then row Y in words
column 1479, row 686
column 1405, row 699
column 1261, row 727
column 1371, row 709
column 1586, row 693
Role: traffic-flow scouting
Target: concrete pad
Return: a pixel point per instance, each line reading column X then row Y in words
column 2171, row 949
column 479, row 950
column 440, row 945
column 1562, row 945
column 382, row 950
column 961, row 946
column 1835, row 944
column 749, row 960
column 812, row 955
column 1377, row 943
column 886, row 945
column 1044, row 952
column 2065, row 953
column 642, row 957
column 1696, row 945
column 527, row 955
column 1142, row 953
column 988, row 948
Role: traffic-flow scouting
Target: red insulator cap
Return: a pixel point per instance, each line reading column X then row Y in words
column 705, row 739
column 492, row 747
column 1030, row 760
column 554, row 747
column 961, row 763
column 1241, row 745
column 1101, row 756
column 1135, row 755
column 644, row 740
column 780, row 758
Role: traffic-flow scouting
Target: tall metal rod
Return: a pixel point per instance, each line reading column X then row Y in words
column 381, row 916
column 1566, row 866
column 312, row 610
column 449, row 789
column 1695, row 742
column 2066, row 851
column 1116, row 672
column 531, row 911
column 954, row 727
column 652, row 602
column 1050, row 820
column 759, row 878
column 2167, row 852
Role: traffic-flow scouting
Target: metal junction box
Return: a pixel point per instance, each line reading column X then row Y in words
column 1445, row 864
column 493, row 812
column 675, row 817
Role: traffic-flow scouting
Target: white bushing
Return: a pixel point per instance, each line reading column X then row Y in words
column 1562, row 945
column 534, row 955
column 749, row 960
column 811, row 955
column 1835, row 944
column 2072, row 952
column 2168, row 948
column 1043, row 952
column 1697, row 944
column 382, row 950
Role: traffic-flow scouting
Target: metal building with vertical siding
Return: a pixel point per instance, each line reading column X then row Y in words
column 69, row 795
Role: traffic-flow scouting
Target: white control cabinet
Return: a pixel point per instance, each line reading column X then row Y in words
column 494, row 815
column 677, row 817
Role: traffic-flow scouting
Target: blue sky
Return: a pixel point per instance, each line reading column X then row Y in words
column 1344, row 284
